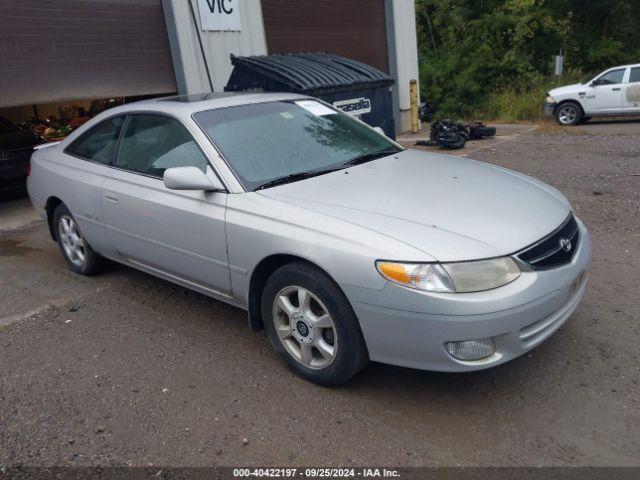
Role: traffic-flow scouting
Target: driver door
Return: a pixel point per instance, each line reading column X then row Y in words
column 604, row 94
column 177, row 234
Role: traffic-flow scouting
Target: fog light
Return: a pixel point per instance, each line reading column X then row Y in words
column 471, row 349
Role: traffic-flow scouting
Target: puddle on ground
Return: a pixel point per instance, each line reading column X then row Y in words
column 10, row 248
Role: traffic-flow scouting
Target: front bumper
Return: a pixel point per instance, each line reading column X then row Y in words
column 549, row 108
column 409, row 328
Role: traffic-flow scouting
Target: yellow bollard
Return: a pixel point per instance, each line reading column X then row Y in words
column 413, row 93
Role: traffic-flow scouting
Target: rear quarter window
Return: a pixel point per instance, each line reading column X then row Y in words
column 99, row 143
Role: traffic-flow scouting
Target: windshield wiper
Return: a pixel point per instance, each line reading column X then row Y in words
column 292, row 177
column 367, row 157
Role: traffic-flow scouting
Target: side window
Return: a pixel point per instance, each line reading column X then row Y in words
column 99, row 143
column 152, row 143
column 611, row 78
column 635, row 75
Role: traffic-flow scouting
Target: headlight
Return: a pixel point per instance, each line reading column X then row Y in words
column 458, row 277
column 550, row 99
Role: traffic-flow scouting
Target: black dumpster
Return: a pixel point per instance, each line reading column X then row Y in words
column 354, row 87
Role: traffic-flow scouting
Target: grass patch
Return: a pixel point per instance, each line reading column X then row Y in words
column 551, row 127
column 522, row 100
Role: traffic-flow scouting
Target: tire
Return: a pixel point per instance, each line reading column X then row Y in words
column 474, row 134
column 480, row 132
column 322, row 342
column 568, row 114
column 75, row 249
column 451, row 141
column 426, row 143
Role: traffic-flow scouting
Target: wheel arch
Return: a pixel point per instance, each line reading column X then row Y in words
column 50, row 207
column 568, row 100
column 259, row 277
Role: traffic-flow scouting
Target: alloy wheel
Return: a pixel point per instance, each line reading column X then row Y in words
column 305, row 327
column 567, row 115
column 72, row 242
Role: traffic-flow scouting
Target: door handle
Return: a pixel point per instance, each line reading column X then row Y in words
column 110, row 198
column 617, row 89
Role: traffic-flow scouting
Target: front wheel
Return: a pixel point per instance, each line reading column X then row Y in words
column 311, row 323
column 569, row 114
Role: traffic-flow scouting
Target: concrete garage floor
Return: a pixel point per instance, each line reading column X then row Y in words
column 126, row 369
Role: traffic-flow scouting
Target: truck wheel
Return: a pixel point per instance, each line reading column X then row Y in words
column 569, row 114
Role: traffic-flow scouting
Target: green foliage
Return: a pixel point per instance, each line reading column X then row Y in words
column 496, row 56
column 523, row 98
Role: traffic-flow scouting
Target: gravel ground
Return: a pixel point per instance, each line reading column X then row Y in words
column 126, row 369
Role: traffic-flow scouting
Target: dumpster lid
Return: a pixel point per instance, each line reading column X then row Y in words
column 304, row 73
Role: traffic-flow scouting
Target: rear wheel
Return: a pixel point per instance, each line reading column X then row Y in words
column 75, row 249
column 451, row 141
column 482, row 131
column 569, row 114
column 311, row 323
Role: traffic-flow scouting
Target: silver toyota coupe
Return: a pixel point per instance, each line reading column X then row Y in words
column 343, row 245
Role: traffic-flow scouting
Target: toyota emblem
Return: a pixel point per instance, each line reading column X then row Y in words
column 565, row 244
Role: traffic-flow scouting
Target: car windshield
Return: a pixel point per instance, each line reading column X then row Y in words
column 276, row 142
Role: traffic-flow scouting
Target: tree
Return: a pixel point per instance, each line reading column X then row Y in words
column 472, row 48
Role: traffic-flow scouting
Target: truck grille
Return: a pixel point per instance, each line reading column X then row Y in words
column 555, row 249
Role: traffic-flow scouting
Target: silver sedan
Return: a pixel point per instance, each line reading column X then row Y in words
column 341, row 244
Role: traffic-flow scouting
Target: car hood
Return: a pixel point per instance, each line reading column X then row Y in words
column 567, row 89
column 448, row 207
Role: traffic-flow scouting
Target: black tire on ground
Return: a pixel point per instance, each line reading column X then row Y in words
column 91, row 263
column 451, row 141
column 480, row 132
column 474, row 134
column 426, row 143
column 351, row 354
column 568, row 114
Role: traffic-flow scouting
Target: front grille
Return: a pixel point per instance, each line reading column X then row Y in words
column 555, row 249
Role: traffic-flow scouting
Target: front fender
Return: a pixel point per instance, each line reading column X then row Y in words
column 259, row 227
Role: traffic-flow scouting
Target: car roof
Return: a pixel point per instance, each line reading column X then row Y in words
column 189, row 104
column 623, row 66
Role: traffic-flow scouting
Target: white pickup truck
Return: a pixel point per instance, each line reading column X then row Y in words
column 615, row 91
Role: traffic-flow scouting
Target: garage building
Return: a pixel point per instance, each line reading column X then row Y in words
column 71, row 58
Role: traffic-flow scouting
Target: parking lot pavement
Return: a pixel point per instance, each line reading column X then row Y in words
column 124, row 368
column 16, row 213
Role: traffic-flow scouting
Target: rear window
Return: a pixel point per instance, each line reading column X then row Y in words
column 635, row 75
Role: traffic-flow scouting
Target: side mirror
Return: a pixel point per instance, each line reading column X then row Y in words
column 190, row 178
column 380, row 131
